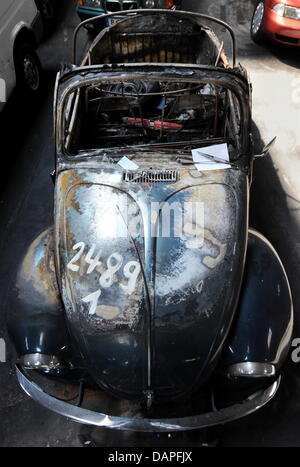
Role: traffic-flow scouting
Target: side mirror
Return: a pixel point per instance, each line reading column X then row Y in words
column 266, row 149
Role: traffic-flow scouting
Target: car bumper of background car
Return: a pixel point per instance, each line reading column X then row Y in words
column 89, row 417
column 88, row 13
column 283, row 30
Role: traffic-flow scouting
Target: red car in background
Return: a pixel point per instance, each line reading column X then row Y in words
column 279, row 20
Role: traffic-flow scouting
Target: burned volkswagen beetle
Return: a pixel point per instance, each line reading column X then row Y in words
column 151, row 305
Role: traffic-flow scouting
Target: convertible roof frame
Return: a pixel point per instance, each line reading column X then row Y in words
column 150, row 12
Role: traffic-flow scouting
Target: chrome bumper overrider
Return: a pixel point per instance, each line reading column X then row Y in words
column 81, row 415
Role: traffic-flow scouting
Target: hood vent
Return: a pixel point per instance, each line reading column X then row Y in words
column 151, row 176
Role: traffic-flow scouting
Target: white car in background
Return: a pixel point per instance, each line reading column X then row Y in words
column 21, row 29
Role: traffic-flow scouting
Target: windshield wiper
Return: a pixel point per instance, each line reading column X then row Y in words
column 213, row 159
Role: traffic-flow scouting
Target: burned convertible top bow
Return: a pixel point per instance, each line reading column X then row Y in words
column 151, row 305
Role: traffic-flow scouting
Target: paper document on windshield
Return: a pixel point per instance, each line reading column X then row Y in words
column 127, row 164
column 213, row 161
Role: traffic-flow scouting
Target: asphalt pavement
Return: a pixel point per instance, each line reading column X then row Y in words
column 26, row 208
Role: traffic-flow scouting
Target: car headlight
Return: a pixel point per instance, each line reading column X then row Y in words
column 158, row 3
column 286, row 11
column 149, row 4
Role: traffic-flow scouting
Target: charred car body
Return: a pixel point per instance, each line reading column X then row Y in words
column 172, row 329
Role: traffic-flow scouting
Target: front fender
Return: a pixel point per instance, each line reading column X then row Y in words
column 36, row 321
column 263, row 324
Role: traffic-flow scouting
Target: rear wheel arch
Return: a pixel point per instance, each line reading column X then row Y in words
column 24, row 35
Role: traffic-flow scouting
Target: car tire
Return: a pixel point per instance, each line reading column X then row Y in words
column 257, row 33
column 48, row 14
column 28, row 70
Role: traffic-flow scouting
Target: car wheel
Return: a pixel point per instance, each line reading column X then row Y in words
column 28, row 70
column 256, row 23
column 48, row 14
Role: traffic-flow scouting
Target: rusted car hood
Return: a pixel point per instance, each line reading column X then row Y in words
column 150, row 309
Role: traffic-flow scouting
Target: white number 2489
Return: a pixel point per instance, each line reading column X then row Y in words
column 114, row 263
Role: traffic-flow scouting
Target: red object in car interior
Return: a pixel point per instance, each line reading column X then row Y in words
column 155, row 125
column 280, row 28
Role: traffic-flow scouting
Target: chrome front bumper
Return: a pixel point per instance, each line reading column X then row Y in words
column 88, row 417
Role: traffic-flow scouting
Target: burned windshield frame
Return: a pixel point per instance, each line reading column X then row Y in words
column 89, row 78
